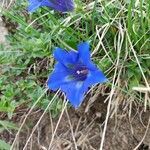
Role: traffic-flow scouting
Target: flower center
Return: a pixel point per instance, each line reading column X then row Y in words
column 80, row 72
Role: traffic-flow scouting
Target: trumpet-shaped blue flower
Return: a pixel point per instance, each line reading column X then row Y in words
column 74, row 73
column 59, row 5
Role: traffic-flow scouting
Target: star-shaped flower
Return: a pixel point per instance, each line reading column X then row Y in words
column 59, row 5
column 74, row 73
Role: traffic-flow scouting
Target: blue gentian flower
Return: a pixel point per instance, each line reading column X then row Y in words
column 59, row 5
column 74, row 73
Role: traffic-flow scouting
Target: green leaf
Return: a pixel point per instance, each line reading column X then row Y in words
column 4, row 145
column 8, row 125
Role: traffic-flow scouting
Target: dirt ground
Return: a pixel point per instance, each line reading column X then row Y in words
column 123, row 132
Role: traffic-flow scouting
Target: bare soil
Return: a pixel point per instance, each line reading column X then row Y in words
column 123, row 132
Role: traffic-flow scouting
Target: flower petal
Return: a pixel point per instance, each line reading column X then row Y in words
column 63, row 5
column 74, row 92
column 65, row 57
column 95, row 77
column 84, row 52
column 84, row 56
column 59, row 5
column 58, row 77
column 35, row 4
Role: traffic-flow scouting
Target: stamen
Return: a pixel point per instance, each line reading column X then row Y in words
column 78, row 72
column 82, row 71
column 85, row 71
